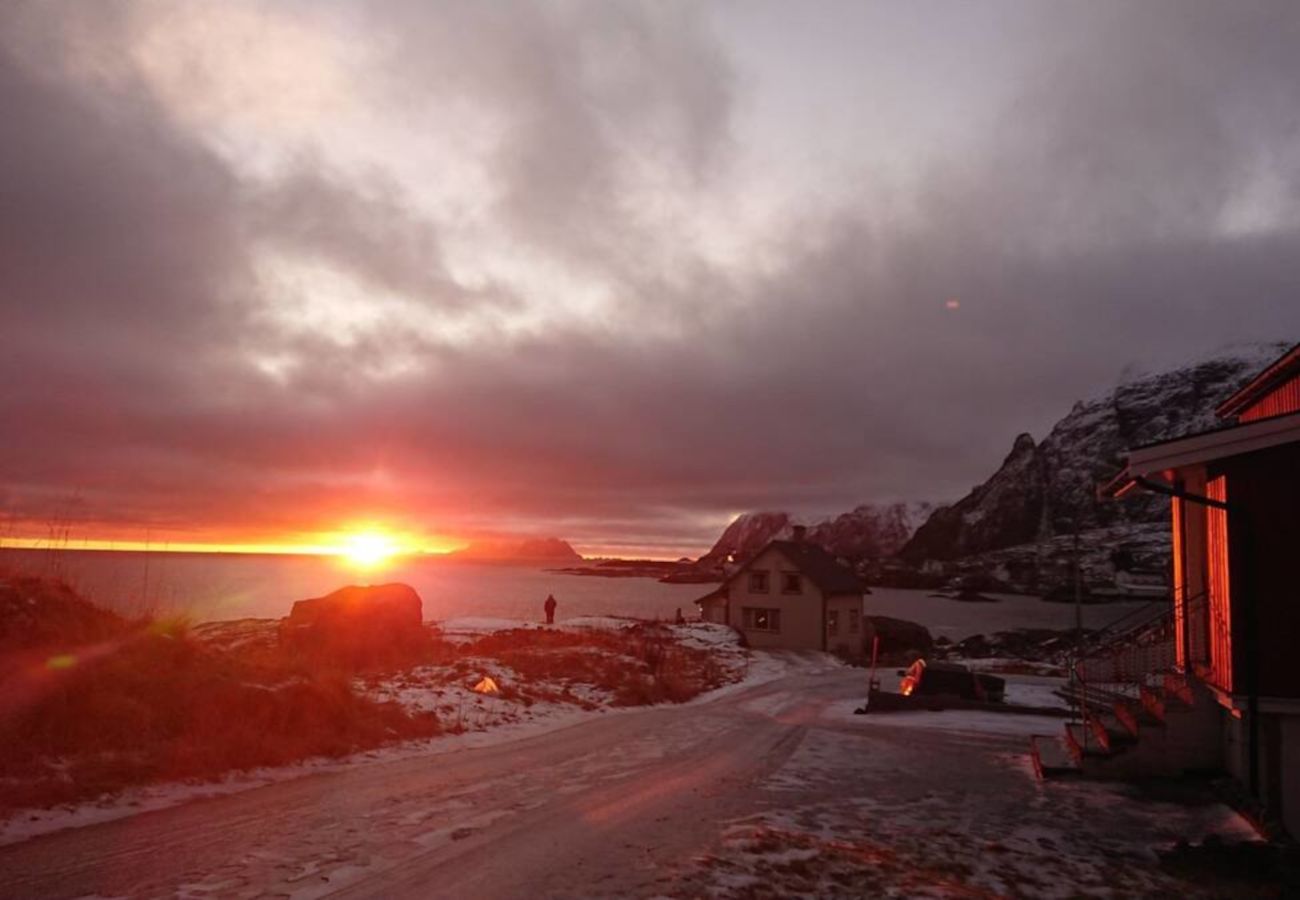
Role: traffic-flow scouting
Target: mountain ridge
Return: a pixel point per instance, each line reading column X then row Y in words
column 1016, row 527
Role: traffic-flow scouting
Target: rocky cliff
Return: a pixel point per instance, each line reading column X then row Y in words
column 1016, row 530
column 870, row 531
column 1047, row 489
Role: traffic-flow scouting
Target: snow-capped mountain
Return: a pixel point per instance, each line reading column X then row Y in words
column 1048, row 488
column 869, row 531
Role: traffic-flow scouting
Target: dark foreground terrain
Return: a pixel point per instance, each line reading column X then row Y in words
column 764, row 790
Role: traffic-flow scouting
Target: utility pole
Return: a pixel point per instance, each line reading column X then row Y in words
column 1078, row 591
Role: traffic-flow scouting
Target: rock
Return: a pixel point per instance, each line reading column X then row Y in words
column 45, row 612
column 901, row 639
column 969, row 596
column 358, row 625
column 1029, row 644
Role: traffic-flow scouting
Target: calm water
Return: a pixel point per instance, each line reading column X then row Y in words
column 213, row 587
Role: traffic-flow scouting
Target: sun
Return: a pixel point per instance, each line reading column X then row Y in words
column 367, row 549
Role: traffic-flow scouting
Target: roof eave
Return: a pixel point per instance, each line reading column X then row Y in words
column 1197, row 449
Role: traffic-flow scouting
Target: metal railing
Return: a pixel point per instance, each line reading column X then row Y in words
column 1117, row 661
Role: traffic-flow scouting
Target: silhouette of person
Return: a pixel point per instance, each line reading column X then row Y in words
column 549, row 606
column 681, row 619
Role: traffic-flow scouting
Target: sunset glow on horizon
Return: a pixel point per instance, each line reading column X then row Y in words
column 601, row 272
column 362, row 548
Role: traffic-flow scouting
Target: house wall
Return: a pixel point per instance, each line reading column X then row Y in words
column 1289, row 765
column 1279, row 764
column 714, row 610
column 846, row 642
column 1283, row 399
column 1236, row 746
column 1264, row 541
column 801, row 614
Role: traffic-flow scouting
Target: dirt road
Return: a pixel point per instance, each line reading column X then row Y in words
column 663, row 801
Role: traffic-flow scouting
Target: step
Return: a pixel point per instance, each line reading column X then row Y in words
column 1153, row 701
column 1133, row 715
column 1178, row 687
column 1051, row 756
column 1108, row 732
column 1081, row 743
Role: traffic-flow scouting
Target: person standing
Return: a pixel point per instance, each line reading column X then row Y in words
column 549, row 606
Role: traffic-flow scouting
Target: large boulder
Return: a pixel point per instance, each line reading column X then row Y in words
column 358, row 625
column 901, row 640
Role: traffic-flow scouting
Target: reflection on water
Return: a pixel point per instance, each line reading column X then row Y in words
column 227, row 586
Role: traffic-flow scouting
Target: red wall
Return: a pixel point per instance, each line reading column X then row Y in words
column 1285, row 398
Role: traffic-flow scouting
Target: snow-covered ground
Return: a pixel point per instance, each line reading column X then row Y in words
column 474, row 720
column 959, row 814
column 772, row 789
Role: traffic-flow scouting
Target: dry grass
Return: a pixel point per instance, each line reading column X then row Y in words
column 149, row 701
column 637, row 665
column 91, row 703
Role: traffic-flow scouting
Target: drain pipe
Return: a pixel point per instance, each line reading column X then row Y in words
column 1239, row 524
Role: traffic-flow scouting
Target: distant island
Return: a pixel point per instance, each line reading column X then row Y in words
column 525, row 550
column 682, row 571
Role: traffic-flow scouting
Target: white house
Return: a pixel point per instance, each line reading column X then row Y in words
column 793, row 595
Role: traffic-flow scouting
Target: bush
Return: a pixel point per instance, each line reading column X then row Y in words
column 637, row 665
column 154, row 702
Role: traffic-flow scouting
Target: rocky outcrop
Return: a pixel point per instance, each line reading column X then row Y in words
column 871, row 531
column 746, row 535
column 1005, row 510
column 901, row 640
column 357, row 625
column 1029, row 644
column 43, row 612
column 526, row 550
column 1048, row 489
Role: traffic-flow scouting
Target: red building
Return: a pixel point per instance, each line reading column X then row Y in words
column 1236, row 620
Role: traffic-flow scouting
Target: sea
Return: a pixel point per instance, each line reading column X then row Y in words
column 221, row 586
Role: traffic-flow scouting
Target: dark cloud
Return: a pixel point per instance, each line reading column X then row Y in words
column 1113, row 213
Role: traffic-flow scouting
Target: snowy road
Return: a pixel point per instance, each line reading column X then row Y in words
column 680, row 801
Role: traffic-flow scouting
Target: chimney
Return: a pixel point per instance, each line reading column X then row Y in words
column 798, row 533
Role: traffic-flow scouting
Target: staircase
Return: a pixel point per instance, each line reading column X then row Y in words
column 1134, row 714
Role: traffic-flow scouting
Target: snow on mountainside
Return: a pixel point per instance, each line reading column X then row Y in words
column 869, row 531
column 1041, row 486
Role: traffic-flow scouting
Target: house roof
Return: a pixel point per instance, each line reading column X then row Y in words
column 1203, row 447
column 717, row 593
column 1281, row 369
column 812, row 560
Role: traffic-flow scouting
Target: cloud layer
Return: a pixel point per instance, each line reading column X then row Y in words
column 543, row 269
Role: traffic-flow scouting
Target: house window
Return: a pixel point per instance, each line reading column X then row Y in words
column 855, row 617
column 832, row 621
column 758, row 619
column 791, row 583
column 758, row 582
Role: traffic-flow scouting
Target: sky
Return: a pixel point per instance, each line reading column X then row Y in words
column 272, row 273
